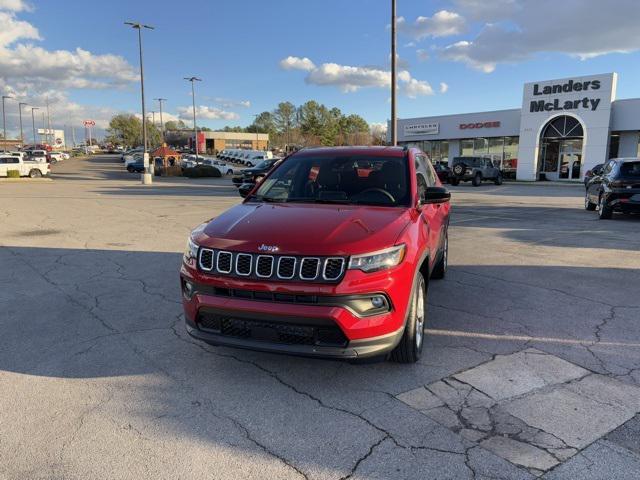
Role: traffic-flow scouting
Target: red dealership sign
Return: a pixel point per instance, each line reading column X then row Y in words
column 89, row 123
column 465, row 126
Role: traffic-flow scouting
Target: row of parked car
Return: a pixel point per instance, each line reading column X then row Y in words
column 249, row 158
column 29, row 163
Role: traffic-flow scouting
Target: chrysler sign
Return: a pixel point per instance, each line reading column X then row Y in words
column 422, row 129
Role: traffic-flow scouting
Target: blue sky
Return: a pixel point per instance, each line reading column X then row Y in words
column 482, row 51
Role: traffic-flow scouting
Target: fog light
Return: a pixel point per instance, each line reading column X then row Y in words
column 187, row 288
column 378, row 301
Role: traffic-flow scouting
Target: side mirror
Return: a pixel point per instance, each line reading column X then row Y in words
column 435, row 195
column 245, row 188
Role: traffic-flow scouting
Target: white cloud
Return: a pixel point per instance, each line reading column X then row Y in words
column 580, row 28
column 206, row 113
column 297, row 63
column 351, row 79
column 441, row 24
column 13, row 30
column 229, row 103
column 444, row 88
column 15, row 5
column 487, row 10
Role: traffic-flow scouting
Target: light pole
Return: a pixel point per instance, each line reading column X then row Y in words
column 394, row 120
column 193, row 97
column 255, row 122
column 20, row 105
column 4, row 123
column 160, row 100
column 33, row 124
column 146, row 178
column 45, row 140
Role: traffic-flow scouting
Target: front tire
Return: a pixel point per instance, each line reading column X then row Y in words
column 477, row 180
column 498, row 180
column 409, row 350
column 588, row 205
column 455, row 182
column 604, row 211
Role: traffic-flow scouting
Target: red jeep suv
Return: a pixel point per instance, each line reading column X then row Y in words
column 330, row 255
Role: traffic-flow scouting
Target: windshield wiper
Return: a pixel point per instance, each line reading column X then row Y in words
column 267, row 199
column 342, row 201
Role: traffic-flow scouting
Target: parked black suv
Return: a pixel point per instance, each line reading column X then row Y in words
column 474, row 169
column 616, row 188
column 251, row 175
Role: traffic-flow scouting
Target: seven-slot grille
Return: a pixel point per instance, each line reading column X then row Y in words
column 277, row 267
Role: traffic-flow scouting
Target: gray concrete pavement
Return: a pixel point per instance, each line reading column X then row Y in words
column 531, row 367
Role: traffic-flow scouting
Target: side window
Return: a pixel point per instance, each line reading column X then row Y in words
column 608, row 168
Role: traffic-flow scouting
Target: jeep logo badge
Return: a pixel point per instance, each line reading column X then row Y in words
column 268, row 248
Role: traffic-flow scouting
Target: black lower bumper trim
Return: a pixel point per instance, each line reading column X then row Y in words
column 354, row 349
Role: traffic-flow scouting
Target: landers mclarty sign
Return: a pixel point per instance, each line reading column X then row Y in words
column 560, row 88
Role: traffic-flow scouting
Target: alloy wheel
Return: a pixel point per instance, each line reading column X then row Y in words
column 420, row 314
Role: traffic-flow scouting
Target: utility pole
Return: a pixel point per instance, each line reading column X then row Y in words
column 4, row 123
column 33, row 124
column 147, row 177
column 43, row 139
column 394, row 120
column 160, row 100
column 255, row 122
column 193, row 97
column 73, row 135
column 49, row 125
column 20, row 105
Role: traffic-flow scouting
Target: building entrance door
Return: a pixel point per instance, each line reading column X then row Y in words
column 561, row 149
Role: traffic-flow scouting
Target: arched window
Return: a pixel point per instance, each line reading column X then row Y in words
column 563, row 127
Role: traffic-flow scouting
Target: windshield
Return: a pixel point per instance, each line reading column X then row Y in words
column 339, row 179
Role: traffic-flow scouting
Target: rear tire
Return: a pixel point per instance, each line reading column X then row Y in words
column 409, row 350
column 35, row 173
column 604, row 211
column 477, row 180
column 587, row 203
column 130, row 169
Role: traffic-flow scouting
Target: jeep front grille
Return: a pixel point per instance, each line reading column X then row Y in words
column 276, row 267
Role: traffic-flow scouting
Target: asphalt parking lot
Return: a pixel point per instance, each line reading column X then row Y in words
column 531, row 366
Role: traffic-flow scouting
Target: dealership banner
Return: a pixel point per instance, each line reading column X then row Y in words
column 422, row 129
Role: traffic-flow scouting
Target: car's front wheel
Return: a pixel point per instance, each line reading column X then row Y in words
column 604, row 211
column 498, row 180
column 588, row 204
column 409, row 350
column 454, row 181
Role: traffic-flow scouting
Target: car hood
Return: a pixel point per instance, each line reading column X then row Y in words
column 305, row 229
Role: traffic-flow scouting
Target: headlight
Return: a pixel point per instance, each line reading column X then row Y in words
column 371, row 262
column 191, row 250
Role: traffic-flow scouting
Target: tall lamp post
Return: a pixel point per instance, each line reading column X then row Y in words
column 146, row 177
column 255, row 122
column 394, row 120
column 4, row 123
column 160, row 100
column 20, row 105
column 33, row 125
column 193, row 97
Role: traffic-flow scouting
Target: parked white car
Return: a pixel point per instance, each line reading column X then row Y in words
column 224, row 168
column 254, row 157
column 56, row 157
column 26, row 168
column 37, row 156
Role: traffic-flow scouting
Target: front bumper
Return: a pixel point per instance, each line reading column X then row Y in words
column 316, row 320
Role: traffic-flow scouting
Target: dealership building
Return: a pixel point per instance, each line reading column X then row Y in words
column 563, row 129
